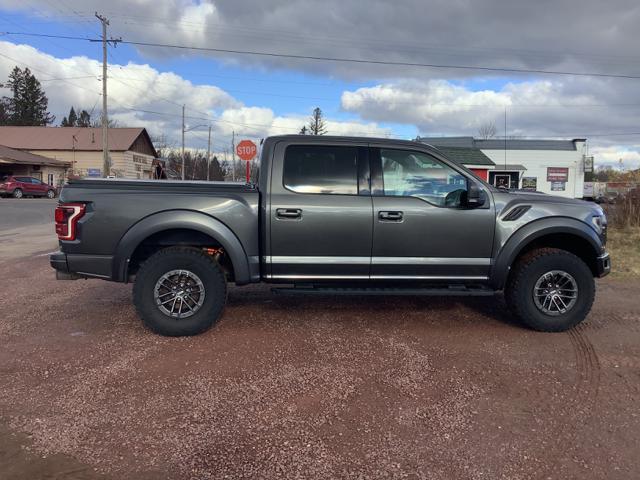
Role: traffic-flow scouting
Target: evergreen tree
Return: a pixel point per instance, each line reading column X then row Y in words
column 28, row 104
column 316, row 123
column 74, row 120
column 71, row 120
column 84, row 120
column 5, row 117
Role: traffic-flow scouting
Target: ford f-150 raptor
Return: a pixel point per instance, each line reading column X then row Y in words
column 336, row 215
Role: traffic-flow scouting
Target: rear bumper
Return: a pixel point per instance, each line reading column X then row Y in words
column 95, row 266
column 603, row 265
column 58, row 261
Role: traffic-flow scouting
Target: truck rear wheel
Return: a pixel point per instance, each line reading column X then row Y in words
column 550, row 290
column 180, row 291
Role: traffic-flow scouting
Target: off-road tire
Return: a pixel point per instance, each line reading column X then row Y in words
column 17, row 193
column 178, row 258
column 523, row 277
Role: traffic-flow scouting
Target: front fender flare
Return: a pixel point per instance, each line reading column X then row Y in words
column 530, row 232
column 181, row 219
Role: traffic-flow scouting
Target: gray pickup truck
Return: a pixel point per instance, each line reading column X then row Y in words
column 333, row 215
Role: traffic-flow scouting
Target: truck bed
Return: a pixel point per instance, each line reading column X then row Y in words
column 115, row 207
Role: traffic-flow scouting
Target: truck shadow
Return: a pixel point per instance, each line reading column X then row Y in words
column 383, row 309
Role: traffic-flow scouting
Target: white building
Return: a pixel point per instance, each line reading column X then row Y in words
column 549, row 166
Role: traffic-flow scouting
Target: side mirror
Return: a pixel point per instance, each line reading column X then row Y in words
column 475, row 196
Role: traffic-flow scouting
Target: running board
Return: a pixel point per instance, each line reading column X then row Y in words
column 451, row 291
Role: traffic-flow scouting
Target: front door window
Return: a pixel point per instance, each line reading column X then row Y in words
column 415, row 174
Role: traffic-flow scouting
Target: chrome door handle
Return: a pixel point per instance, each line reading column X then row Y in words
column 387, row 216
column 289, row 213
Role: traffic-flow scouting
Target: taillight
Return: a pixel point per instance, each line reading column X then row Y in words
column 66, row 217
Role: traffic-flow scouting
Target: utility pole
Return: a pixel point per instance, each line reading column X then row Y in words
column 209, row 154
column 106, row 167
column 233, row 152
column 183, row 142
column 226, row 161
column 505, row 139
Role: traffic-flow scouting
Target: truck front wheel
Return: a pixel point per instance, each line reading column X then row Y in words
column 550, row 290
column 180, row 291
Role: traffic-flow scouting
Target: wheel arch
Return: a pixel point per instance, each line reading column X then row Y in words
column 559, row 232
column 183, row 221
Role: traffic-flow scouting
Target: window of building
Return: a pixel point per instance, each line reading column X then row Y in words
column 321, row 169
column 50, row 179
column 413, row 174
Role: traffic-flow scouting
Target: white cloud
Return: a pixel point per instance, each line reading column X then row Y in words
column 544, row 108
column 140, row 95
column 624, row 157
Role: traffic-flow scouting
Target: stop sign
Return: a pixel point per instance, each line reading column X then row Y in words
column 246, row 150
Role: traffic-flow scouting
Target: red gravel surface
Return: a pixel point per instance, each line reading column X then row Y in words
column 312, row 387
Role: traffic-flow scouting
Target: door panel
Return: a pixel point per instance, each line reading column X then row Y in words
column 38, row 187
column 325, row 235
column 422, row 230
column 430, row 240
column 26, row 185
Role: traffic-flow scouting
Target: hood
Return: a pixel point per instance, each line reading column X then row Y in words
column 539, row 197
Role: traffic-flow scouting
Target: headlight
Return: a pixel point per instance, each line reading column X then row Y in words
column 597, row 221
column 600, row 224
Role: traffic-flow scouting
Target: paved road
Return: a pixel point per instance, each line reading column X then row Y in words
column 312, row 388
column 27, row 227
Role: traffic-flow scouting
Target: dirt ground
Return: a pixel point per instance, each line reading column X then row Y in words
column 312, row 387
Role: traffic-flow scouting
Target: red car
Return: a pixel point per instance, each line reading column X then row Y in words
column 19, row 187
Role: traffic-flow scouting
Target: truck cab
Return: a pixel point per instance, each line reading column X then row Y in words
column 376, row 212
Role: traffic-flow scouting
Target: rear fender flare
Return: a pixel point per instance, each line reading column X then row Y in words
column 181, row 219
column 532, row 231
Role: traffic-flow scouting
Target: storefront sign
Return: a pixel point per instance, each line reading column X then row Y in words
column 588, row 164
column 557, row 174
column 587, row 190
column 530, row 183
column 558, row 186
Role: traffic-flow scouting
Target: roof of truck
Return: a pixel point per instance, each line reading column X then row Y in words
column 336, row 138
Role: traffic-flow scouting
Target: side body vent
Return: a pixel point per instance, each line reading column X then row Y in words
column 516, row 212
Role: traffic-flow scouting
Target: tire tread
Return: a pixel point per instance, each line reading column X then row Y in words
column 520, row 275
column 139, row 298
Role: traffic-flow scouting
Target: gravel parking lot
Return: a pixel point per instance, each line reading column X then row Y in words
column 312, row 387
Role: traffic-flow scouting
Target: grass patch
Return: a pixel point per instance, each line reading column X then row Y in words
column 624, row 246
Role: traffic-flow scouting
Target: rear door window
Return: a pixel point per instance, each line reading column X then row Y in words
column 329, row 170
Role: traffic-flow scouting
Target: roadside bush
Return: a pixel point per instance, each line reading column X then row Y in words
column 625, row 214
column 624, row 246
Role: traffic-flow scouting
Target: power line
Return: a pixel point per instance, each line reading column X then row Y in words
column 261, row 126
column 297, row 38
column 345, row 60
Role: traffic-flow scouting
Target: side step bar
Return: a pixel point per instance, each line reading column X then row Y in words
column 451, row 291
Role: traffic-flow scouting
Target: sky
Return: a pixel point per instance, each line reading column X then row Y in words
column 257, row 95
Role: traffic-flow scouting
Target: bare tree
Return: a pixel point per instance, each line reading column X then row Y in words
column 487, row 130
